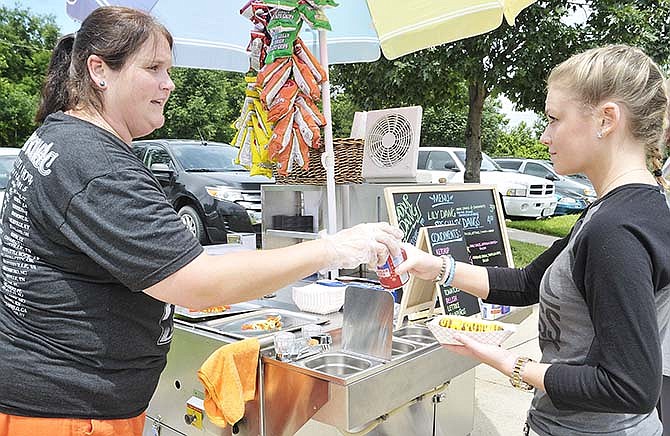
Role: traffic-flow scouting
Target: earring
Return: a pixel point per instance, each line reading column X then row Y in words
column 599, row 135
column 103, row 83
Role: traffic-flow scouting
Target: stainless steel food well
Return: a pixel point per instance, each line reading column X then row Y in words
column 416, row 333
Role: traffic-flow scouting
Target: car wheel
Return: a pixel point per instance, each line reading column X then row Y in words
column 192, row 221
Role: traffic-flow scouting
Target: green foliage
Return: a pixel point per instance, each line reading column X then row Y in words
column 443, row 126
column 204, row 103
column 521, row 141
column 342, row 110
column 26, row 41
column 17, row 113
column 411, row 80
column 558, row 226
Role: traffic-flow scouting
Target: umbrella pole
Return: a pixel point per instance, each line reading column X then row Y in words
column 328, row 158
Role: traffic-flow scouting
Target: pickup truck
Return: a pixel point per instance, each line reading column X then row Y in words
column 522, row 196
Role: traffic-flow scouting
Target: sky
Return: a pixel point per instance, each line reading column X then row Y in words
column 68, row 25
column 47, row 7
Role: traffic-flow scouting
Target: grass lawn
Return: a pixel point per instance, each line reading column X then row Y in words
column 554, row 226
column 523, row 253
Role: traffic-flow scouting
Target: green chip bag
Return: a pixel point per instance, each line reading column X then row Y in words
column 281, row 45
column 284, row 20
column 315, row 17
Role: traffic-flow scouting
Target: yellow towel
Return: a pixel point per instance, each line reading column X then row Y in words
column 229, row 377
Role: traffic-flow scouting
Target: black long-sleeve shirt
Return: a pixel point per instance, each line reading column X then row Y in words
column 604, row 294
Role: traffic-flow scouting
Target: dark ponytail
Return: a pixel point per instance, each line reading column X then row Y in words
column 55, row 92
column 114, row 34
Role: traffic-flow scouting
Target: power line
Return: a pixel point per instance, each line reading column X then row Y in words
column 31, row 47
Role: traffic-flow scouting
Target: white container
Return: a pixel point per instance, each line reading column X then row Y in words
column 320, row 298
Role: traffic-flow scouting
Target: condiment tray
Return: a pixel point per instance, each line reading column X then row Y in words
column 232, row 326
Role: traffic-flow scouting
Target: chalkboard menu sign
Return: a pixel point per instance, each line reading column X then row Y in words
column 449, row 239
column 476, row 208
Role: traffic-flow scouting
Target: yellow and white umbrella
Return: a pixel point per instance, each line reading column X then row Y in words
column 406, row 26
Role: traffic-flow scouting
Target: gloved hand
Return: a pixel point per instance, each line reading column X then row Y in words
column 364, row 243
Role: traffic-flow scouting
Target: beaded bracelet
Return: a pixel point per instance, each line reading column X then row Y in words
column 452, row 272
column 442, row 275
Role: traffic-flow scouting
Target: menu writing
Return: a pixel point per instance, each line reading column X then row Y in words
column 473, row 208
column 449, row 239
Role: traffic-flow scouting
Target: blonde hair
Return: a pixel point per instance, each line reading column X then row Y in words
column 629, row 77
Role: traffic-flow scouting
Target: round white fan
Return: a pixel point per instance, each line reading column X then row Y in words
column 389, row 140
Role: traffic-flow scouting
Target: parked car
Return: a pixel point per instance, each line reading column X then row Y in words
column 522, row 195
column 7, row 158
column 212, row 195
column 573, row 193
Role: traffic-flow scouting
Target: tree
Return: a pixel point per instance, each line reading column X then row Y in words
column 444, row 108
column 521, row 141
column 510, row 60
column 26, row 42
column 203, row 105
column 443, row 126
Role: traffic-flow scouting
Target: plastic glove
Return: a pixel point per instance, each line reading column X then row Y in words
column 365, row 243
column 420, row 263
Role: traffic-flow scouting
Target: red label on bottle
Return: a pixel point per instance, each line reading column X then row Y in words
column 388, row 278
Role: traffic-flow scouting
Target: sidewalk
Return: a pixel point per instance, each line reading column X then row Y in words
column 530, row 237
column 500, row 409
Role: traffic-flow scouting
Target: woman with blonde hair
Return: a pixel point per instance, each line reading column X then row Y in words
column 604, row 290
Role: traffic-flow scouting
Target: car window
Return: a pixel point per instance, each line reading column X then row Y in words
column 509, row 164
column 487, row 162
column 6, row 165
column 536, row 170
column 423, row 157
column 158, row 155
column 440, row 160
column 138, row 150
column 207, row 157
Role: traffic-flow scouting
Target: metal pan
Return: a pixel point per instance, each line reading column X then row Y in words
column 232, row 326
column 235, row 309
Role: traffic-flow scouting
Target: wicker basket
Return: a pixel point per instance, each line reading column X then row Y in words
column 348, row 165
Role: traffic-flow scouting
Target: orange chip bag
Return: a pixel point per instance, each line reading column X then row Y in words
column 303, row 53
column 270, row 70
column 283, row 102
column 305, row 79
column 281, row 137
column 307, row 127
column 308, row 107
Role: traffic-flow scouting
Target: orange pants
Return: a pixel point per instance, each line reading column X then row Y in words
column 11, row 425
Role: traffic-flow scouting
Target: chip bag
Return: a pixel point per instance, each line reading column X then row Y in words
column 305, row 79
column 306, row 56
column 283, row 102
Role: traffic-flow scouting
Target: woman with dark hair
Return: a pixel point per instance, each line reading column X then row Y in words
column 604, row 290
column 93, row 256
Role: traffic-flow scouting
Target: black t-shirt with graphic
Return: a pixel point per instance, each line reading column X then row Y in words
column 85, row 228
